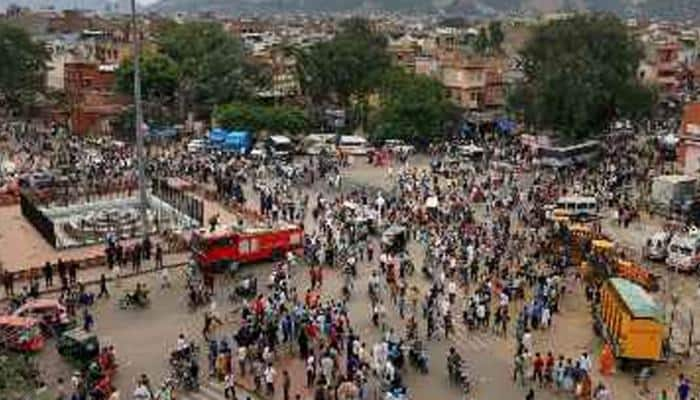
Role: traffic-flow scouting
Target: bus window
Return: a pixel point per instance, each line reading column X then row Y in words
column 254, row 245
column 244, row 246
column 295, row 238
column 220, row 242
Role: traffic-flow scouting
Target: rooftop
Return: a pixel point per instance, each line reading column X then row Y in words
column 638, row 301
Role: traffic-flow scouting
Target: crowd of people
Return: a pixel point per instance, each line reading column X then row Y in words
column 485, row 259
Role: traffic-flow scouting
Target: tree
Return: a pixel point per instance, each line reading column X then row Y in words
column 496, row 35
column 159, row 87
column 482, row 42
column 257, row 118
column 580, row 74
column 414, row 108
column 211, row 66
column 22, row 68
column 345, row 70
column 158, row 78
column 20, row 376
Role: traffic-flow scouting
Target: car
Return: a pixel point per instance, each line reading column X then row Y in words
column 198, row 145
column 398, row 146
column 52, row 314
column 37, row 180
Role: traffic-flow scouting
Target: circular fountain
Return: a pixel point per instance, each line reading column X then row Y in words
column 122, row 221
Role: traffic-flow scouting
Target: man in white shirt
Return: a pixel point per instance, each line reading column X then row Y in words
column 269, row 376
column 585, row 362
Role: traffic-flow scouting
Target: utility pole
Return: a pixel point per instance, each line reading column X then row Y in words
column 140, row 151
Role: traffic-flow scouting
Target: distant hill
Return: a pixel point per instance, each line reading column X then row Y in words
column 679, row 9
column 59, row 5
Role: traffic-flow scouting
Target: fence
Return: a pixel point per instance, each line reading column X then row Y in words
column 181, row 201
column 36, row 217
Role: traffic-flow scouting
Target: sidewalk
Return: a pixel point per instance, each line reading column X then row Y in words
column 90, row 276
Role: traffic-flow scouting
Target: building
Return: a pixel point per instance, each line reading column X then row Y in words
column 689, row 145
column 476, row 84
column 93, row 106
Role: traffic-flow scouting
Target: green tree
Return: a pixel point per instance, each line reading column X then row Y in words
column 345, row 70
column 158, row 88
column 258, row 118
column 580, row 74
column 20, row 376
column 158, row 78
column 496, row 35
column 22, row 68
column 211, row 66
column 414, row 108
column 482, row 41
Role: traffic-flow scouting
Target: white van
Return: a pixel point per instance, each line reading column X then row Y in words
column 580, row 207
column 656, row 246
column 317, row 143
column 684, row 252
column 353, row 145
column 280, row 147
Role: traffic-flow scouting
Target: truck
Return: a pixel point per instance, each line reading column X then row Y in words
column 672, row 194
column 218, row 250
column 632, row 321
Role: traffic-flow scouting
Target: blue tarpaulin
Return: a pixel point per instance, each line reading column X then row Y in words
column 217, row 135
column 238, row 141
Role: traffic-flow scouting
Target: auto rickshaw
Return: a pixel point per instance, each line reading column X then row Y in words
column 79, row 347
column 20, row 333
column 52, row 315
column 394, row 239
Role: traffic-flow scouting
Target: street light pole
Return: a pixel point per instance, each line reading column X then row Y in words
column 140, row 150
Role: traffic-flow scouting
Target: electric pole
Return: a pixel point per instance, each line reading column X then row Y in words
column 140, row 151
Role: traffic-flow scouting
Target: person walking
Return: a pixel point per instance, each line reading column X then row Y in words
column 62, row 273
column 269, row 376
column 73, row 272
column 683, row 388
column 230, row 385
column 88, row 320
column 48, row 275
column 103, row 287
column 286, row 385
column 530, row 395
column 8, row 283
column 159, row 256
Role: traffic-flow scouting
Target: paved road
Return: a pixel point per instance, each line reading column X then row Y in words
column 144, row 338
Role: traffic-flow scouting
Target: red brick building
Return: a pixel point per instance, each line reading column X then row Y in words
column 689, row 146
column 92, row 103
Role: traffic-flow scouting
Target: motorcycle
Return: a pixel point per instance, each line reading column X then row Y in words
column 134, row 300
column 427, row 272
column 457, row 375
column 247, row 288
column 418, row 357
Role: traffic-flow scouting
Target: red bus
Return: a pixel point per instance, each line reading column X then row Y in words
column 217, row 250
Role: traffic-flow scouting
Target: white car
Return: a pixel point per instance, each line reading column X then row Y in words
column 398, row 146
column 197, row 145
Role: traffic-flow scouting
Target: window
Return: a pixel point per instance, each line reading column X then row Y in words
column 244, row 246
column 254, row 245
column 221, row 242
